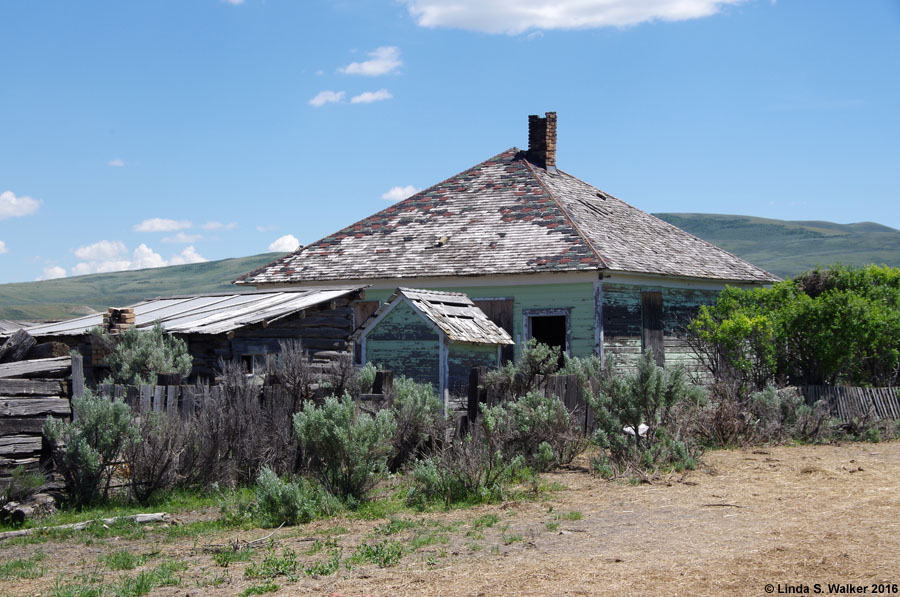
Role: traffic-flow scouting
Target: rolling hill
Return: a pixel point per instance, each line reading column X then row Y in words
column 71, row 297
column 785, row 248
column 788, row 248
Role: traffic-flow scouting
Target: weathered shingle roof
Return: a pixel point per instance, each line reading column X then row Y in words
column 506, row 216
column 207, row 314
column 453, row 312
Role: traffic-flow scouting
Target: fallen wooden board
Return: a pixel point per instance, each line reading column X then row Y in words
column 31, row 407
column 138, row 518
column 20, row 368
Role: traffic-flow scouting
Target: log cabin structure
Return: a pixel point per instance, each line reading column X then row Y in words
column 544, row 254
column 229, row 326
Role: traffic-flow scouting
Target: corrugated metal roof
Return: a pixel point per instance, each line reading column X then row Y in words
column 453, row 313
column 207, row 314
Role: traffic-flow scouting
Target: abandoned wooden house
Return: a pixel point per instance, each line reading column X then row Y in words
column 432, row 337
column 235, row 326
column 544, row 254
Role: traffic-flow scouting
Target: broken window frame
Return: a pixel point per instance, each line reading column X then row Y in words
column 529, row 314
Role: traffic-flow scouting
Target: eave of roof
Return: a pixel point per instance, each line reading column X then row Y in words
column 451, row 313
column 209, row 313
column 507, row 216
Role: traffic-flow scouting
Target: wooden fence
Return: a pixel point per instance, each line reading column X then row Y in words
column 849, row 403
column 564, row 387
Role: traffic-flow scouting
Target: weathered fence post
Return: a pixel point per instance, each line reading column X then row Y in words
column 476, row 394
column 384, row 382
column 77, row 376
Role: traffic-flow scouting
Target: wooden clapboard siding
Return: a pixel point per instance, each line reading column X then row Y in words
column 462, row 358
column 577, row 296
column 405, row 343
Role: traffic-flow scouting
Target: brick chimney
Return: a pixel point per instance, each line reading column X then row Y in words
column 542, row 141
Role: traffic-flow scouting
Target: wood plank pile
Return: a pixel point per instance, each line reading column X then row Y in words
column 118, row 320
column 31, row 388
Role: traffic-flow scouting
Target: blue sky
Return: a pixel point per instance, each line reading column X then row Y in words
column 146, row 133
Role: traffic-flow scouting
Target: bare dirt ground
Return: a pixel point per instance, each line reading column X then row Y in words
column 786, row 516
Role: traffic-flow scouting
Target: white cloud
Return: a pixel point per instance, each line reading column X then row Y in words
column 100, row 267
column 285, row 244
column 189, row 255
column 382, row 61
column 14, row 207
column 515, row 16
column 116, row 163
column 367, row 97
column 182, row 238
column 327, row 97
column 161, row 225
column 398, row 193
column 214, row 225
column 112, row 256
column 3, row 248
column 105, row 250
column 52, row 272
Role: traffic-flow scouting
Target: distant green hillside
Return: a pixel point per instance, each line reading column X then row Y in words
column 71, row 297
column 781, row 247
column 788, row 248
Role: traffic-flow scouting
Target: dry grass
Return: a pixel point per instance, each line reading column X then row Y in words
column 783, row 515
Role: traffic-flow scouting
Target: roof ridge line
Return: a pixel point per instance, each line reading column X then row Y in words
column 568, row 216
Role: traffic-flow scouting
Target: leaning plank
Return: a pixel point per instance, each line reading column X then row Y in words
column 16, row 346
column 138, row 518
column 13, row 445
column 57, row 365
column 32, row 407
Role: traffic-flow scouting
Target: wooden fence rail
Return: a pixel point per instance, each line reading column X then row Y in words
column 848, row 403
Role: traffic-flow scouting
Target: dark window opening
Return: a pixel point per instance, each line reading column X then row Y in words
column 254, row 364
column 550, row 330
column 652, row 324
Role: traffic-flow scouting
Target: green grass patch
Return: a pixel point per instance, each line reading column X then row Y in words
column 227, row 557
column 214, row 580
column 122, row 559
column 269, row 587
column 22, row 568
column 317, row 546
column 552, row 526
column 509, row 539
column 425, row 539
column 573, row 515
column 274, row 565
column 485, row 522
column 384, row 554
column 327, row 567
column 397, row 525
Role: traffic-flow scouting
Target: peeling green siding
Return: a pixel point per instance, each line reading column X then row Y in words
column 406, row 344
column 577, row 296
column 622, row 320
column 462, row 358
